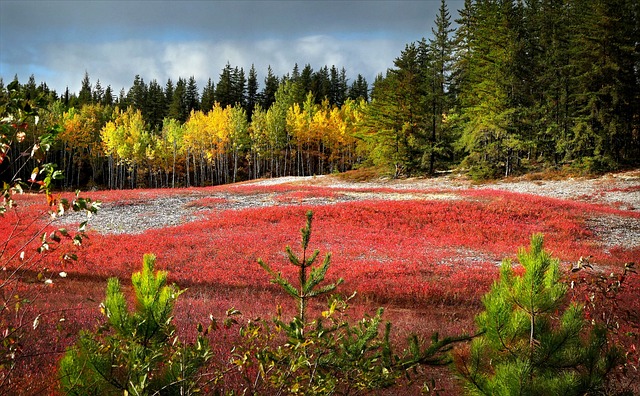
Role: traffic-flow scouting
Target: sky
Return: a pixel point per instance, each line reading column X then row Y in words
column 112, row 41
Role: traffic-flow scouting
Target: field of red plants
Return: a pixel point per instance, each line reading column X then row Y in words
column 427, row 256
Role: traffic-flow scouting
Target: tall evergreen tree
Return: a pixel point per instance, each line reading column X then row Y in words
column 168, row 94
column 85, row 95
column 30, row 88
column 178, row 107
column 122, row 98
column 487, row 112
column 271, row 83
column 98, row 92
column 208, row 97
column 437, row 64
column 137, row 96
column 359, row 89
column 107, row 99
column 321, row 84
column 604, row 59
column 192, row 98
column 252, row 91
column 225, row 88
column 238, row 87
column 306, row 78
column 156, row 106
column 338, row 86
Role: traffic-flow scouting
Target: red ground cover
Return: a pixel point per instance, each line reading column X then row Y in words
column 427, row 261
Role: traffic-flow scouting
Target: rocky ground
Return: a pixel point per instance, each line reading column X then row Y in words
column 619, row 190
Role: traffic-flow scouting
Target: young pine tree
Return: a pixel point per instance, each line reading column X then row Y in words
column 135, row 353
column 532, row 343
column 323, row 355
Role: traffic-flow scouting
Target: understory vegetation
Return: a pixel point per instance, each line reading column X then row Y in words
column 528, row 341
column 415, row 258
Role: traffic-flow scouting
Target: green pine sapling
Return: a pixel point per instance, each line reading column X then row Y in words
column 307, row 284
column 136, row 353
column 328, row 354
column 532, row 342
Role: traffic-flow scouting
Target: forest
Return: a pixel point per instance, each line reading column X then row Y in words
column 428, row 285
column 504, row 88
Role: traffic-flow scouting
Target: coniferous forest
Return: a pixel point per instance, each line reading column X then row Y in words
column 500, row 88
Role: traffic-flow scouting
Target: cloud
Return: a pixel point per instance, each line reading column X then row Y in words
column 58, row 41
column 117, row 63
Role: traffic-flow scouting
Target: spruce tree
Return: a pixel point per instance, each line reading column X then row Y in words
column 207, row 99
column 359, row 89
column 98, row 93
column 532, row 343
column 85, row 95
column 225, row 88
column 252, row 91
column 107, row 99
column 271, row 84
column 192, row 97
column 238, row 87
column 178, row 107
column 437, row 64
column 156, row 106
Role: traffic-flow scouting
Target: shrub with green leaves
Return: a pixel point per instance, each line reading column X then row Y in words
column 532, row 341
column 135, row 353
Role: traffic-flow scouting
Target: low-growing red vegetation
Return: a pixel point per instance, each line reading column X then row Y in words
column 427, row 261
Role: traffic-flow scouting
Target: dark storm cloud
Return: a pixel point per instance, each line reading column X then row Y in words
column 114, row 40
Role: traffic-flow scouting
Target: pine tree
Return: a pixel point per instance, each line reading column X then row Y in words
column 437, row 64
column 138, row 96
column 359, row 89
column 136, row 352
column 531, row 343
column 324, row 356
column 98, row 93
column 238, row 87
column 306, row 78
column 156, row 106
column 321, row 84
column 395, row 117
column 487, row 110
column 307, row 281
column 107, row 99
column 604, row 57
column 30, row 88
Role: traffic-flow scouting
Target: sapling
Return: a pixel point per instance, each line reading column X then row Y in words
column 136, row 352
column 532, row 342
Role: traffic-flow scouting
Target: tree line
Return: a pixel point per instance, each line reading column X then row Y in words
column 515, row 86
